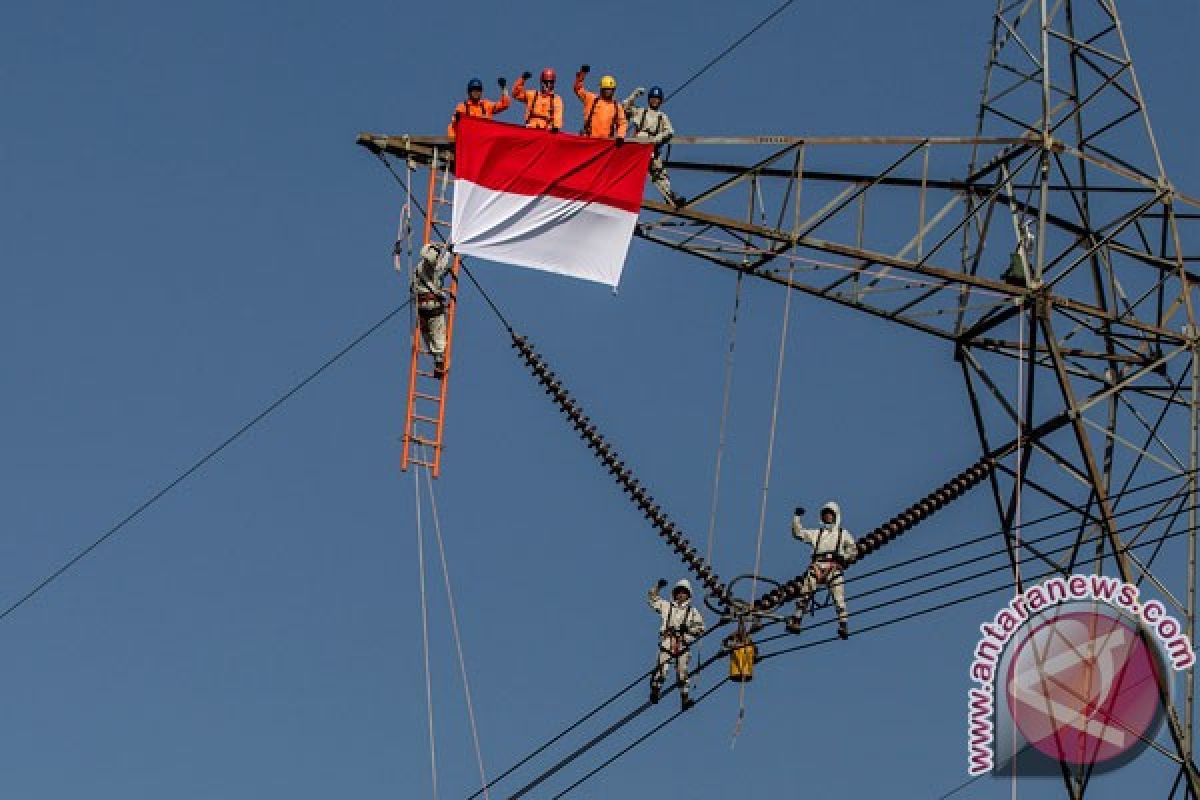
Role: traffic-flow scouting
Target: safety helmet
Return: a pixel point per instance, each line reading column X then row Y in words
column 608, row 82
column 682, row 584
column 474, row 85
column 655, row 92
column 548, row 74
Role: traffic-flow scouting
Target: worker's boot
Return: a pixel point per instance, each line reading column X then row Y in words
column 685, row 700
column 794, row 624
column 439, row 366
column 678, row 200
column 843, row 630
column 655, row 692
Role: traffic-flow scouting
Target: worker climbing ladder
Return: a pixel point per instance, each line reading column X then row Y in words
column 425, row 407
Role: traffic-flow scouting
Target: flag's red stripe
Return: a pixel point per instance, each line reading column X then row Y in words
column 509, row 158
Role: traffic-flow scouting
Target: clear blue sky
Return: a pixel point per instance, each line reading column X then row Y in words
column 187, row 228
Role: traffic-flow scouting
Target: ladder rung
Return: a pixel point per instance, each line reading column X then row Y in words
column 425, row 374
column 413, row 439
column 420, row 418
column 423, row 396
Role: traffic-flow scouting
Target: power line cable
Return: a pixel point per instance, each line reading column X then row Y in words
column 563, row 733
column 884, row 604
column 611, row 759
column 735, row 45
column 808, row 645
column 942, row 606
column 197, row 465
column 992, row 534
column 999, row 553
column 803, row 646
column 611, row 729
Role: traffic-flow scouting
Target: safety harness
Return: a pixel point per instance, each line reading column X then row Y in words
column 464, row 109
column 530, row 113
column 657, row 122
column 587, row 123
column 675, row 636
column 825, row 567
column 428, row 294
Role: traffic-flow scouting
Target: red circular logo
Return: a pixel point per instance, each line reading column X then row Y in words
column 1083, row 688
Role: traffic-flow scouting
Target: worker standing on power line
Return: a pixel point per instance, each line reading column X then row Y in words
column 543, row 108
column 834, row 549
column 680, row 624
column 603, row 116
column 430, row 298
column 653, row 125
column 476, row 106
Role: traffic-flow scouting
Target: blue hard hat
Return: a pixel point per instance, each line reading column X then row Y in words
column 474, row 84
column 655, row 91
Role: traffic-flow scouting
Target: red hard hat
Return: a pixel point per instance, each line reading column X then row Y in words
column 548, row 74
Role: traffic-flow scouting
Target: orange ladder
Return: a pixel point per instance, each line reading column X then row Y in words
column 425, row 410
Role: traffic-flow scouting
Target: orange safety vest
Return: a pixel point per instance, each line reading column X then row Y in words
column 544, row 111
column 541, row 110
column 603, row 119
column 484, row 108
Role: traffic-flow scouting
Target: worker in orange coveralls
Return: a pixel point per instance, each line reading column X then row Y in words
column 476, row 106
column 603, row 116
column 543, row 108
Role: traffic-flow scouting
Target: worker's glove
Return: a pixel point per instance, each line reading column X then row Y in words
column 585, row 69
column 526, row 75
column 799, row 512
column 662, row 584
column 398, row 249
column 620, row 140
column 501, row 82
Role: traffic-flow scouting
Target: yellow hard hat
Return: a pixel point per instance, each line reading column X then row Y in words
column 608, row 82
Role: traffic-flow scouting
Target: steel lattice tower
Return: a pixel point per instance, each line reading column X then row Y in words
column 1051, row 255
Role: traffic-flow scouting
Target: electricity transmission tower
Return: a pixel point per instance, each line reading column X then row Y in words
column 1051, row 255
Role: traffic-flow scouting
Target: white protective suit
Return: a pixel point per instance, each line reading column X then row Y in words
column 653, row 125
column 429, row 296
column 680, row 624
column 833, row 550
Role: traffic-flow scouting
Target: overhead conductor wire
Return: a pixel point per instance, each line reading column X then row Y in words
column 196, row 466
column 612, row 729
column 735, row 45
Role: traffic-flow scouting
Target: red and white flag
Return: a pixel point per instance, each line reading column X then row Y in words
column 551, row 201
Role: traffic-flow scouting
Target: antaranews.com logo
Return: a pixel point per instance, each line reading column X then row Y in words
column 1072, row 671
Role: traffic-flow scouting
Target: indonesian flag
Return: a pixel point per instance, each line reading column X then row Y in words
column 550, row 201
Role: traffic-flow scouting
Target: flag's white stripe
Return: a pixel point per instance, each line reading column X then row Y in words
column 568, row 237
